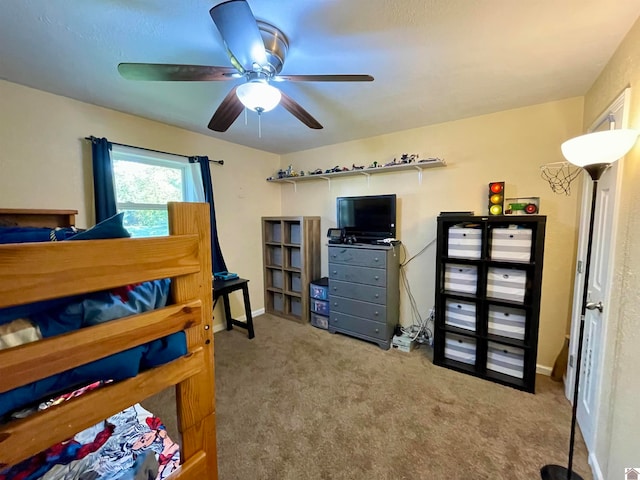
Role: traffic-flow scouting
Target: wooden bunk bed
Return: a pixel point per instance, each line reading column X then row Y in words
column 32, row 272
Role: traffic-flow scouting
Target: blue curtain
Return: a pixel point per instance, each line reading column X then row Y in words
column 104, row 194
column 217, row 259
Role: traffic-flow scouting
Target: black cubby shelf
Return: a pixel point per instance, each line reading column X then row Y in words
column 488, row 286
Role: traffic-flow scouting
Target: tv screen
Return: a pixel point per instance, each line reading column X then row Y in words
column 369, row 218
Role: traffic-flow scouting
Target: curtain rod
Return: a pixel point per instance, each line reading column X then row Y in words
column 219, row 162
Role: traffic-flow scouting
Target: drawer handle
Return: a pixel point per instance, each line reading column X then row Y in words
column 459, row 341
column 335, row 304
column 377, row 330
column 335, row 320
column 376, row 277
column 505, row 351
column 459, row 306
column 506, row 314
column 334, row 255
column 335, row 288
column 376, row 295
column 335, row 271
column 505, row 275
column 375, row 313
column 511, row 236
column 375, row 259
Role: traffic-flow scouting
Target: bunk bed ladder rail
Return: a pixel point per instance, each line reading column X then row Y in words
column 185, row 256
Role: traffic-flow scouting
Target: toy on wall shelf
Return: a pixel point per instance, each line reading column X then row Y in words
column 522, row 206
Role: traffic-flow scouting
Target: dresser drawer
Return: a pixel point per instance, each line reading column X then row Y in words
column 362, row 326
column 366, row 293
column 370, row 311
column 357, row 256
column 349, row 273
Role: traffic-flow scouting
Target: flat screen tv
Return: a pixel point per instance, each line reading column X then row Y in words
column 368, row 218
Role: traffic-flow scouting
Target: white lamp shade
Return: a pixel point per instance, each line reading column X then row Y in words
column 599, row 147
column 258, row 96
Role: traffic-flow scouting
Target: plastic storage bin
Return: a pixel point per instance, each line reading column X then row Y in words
column 464, row 242
column 319, row 321
column 319, row 289
column 319, row 306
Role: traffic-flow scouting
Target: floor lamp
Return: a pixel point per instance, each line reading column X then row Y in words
column 594, row 152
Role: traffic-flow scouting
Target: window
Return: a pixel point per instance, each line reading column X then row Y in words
column 145, row 181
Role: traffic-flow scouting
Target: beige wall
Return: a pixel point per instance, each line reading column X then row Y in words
column 507, row 146
column 45, row 163
column 618, row 437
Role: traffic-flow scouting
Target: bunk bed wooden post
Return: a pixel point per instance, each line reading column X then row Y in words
column 196, row 395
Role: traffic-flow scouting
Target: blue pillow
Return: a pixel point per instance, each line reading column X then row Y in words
column 112, row 227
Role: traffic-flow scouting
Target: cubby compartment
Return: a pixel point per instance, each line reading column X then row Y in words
column 273, row 256
column 275, row 278
column 293, row 233
column 460, row 348
column 464, row 242
column 294, row 306
column 507, row 322
column 461, row 278
column 506, row 284
column 294, row 282
column 275, row 302
column 460, row 314
column 294, row 257
column 505, row 359
column 512, row 244
column 273, row 231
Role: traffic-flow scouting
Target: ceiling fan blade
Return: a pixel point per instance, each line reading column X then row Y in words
column 240, row 34
column 227, row 112
column 297, row 111
column 323, row 78
column 175, row 73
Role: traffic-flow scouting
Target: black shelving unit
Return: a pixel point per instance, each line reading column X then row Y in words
column 488, row 284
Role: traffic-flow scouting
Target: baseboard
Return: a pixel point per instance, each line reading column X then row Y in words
column 218, row 327
column 595, row 467
column 543, row 370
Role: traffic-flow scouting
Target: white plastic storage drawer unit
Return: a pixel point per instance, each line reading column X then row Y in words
column 464, row 242
column 505, row 359
column 461, row 278
column 460, row 348
column 511, row 244
column 460, row 314
column 507, row 322
column 506, row 284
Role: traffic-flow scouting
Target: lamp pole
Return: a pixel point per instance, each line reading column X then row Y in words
column 556, row 472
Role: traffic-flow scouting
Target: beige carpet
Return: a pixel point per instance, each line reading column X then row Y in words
column 300, row 403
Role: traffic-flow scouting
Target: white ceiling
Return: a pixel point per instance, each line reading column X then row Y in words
column 433, row 60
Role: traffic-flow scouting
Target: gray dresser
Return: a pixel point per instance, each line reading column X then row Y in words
column 364, row 291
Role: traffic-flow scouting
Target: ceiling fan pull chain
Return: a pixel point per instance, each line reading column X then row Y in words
column 245, row 116
column 259, row 125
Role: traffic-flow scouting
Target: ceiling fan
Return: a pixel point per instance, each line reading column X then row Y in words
column 257, row 51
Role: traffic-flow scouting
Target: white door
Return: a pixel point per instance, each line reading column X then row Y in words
column 600, row 276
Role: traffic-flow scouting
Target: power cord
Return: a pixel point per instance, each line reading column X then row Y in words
column 420, row 329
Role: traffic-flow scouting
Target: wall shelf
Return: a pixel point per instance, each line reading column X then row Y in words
column 366, row 172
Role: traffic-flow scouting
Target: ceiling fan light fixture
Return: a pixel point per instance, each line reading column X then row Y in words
column 258, row 96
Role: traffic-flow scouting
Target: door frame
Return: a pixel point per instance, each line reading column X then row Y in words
column 620, row 109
